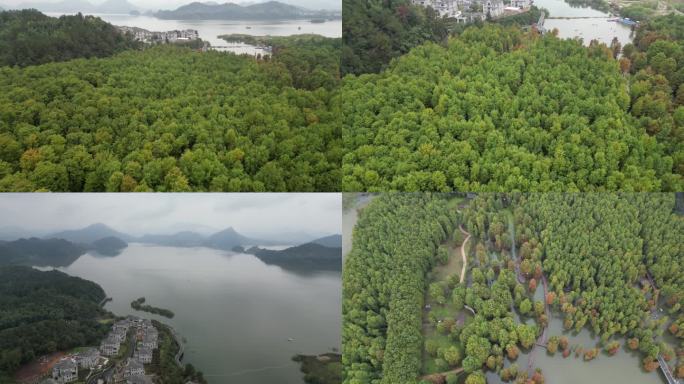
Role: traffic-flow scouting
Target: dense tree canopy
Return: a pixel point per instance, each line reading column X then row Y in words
column 28, row 37
column 395, row 243
column 499, row 110
column 43, row 312
column 656, row 63
column 376, row 31
column 167, row 119
column 598, row 253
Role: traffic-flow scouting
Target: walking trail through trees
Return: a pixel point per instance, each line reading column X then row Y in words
column 463, row 255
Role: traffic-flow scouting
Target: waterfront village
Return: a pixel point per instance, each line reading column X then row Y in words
column 121, row 358
column 466, row 11
column 150, row 37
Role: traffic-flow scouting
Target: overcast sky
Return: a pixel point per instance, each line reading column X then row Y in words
column 137, row 214
column 172, row 4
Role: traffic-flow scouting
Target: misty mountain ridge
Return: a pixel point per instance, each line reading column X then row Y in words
column 90, row 234
column 109, row 246
column 332, row 241
column 83, row 6
column 270, row 10
column 309, row 256
column 40, row 252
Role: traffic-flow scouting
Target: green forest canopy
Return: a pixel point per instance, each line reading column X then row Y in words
column 500, row 110
column 28, row 37
column 166, row 119
column 376, row 31
column 591, row 246
column 44, row 312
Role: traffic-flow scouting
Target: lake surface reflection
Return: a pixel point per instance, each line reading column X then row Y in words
column 236, row 312
column 210, row 30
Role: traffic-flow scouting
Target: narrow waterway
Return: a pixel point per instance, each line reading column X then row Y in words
column 586, row 23
column 624, row 367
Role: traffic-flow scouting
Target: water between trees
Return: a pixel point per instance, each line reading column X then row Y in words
column 585, row 23
column 235, row 312
column 624, row 367
column 210, row 30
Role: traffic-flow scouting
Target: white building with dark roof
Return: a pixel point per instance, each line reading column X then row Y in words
column 88, row 358
column 133, row 368
column 110, row 346
column 138, row 380
column 143, row 354
column 149, row 341
column 65, row 371
column 493, row 8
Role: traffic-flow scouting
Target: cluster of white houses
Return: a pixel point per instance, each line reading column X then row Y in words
column 466, row 11
column 132, row 371
column 161, row 37
column 66, row 370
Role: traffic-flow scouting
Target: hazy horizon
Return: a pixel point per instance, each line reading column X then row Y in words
column 154, row 5
column 251, row 214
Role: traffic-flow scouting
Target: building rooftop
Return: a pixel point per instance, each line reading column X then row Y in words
column 65, row 364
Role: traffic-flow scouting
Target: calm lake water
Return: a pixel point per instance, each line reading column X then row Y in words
column 595, row 25
column 236, row 312
column 209, row 30
column 624, row 367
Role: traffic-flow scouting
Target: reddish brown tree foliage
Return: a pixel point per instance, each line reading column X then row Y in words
column 512, row 351
column 633, row 343
column 550, row 297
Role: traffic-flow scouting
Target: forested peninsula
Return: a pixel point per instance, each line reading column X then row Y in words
column 28, row 37
column 44, row 312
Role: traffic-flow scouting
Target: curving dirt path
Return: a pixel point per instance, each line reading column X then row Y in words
column 438, row 377
column 463, row 255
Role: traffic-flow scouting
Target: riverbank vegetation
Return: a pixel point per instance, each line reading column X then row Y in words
column 164, row 363
column 394, row 246
column 578, row 248
column 166, row 119
column 499, row 109
column 28, row 37
column 45, row 312
column 312, row 60
column 321, row 369
column 139, row 305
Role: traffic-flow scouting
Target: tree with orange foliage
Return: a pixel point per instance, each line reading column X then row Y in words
column 625, row 65
column 650, row 365
column 550, row 298
column 633, row 343
column 613, row 347
column 532, row 284
column 537, row 271
column 512, row 351
column 537, row 377
column 679, row 371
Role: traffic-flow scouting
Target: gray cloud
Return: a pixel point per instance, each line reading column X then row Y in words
column 172, row 4
column 249, row 213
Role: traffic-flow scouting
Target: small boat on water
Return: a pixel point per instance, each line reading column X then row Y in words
column 248, row 27
column 290, row 339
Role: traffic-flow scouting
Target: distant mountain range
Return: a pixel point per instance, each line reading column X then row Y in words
column 303, row 257
column 271, row 10
column 64, row 247
column 332, row 241
column 90, row 234
column 74, row 6
column 40, row 252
